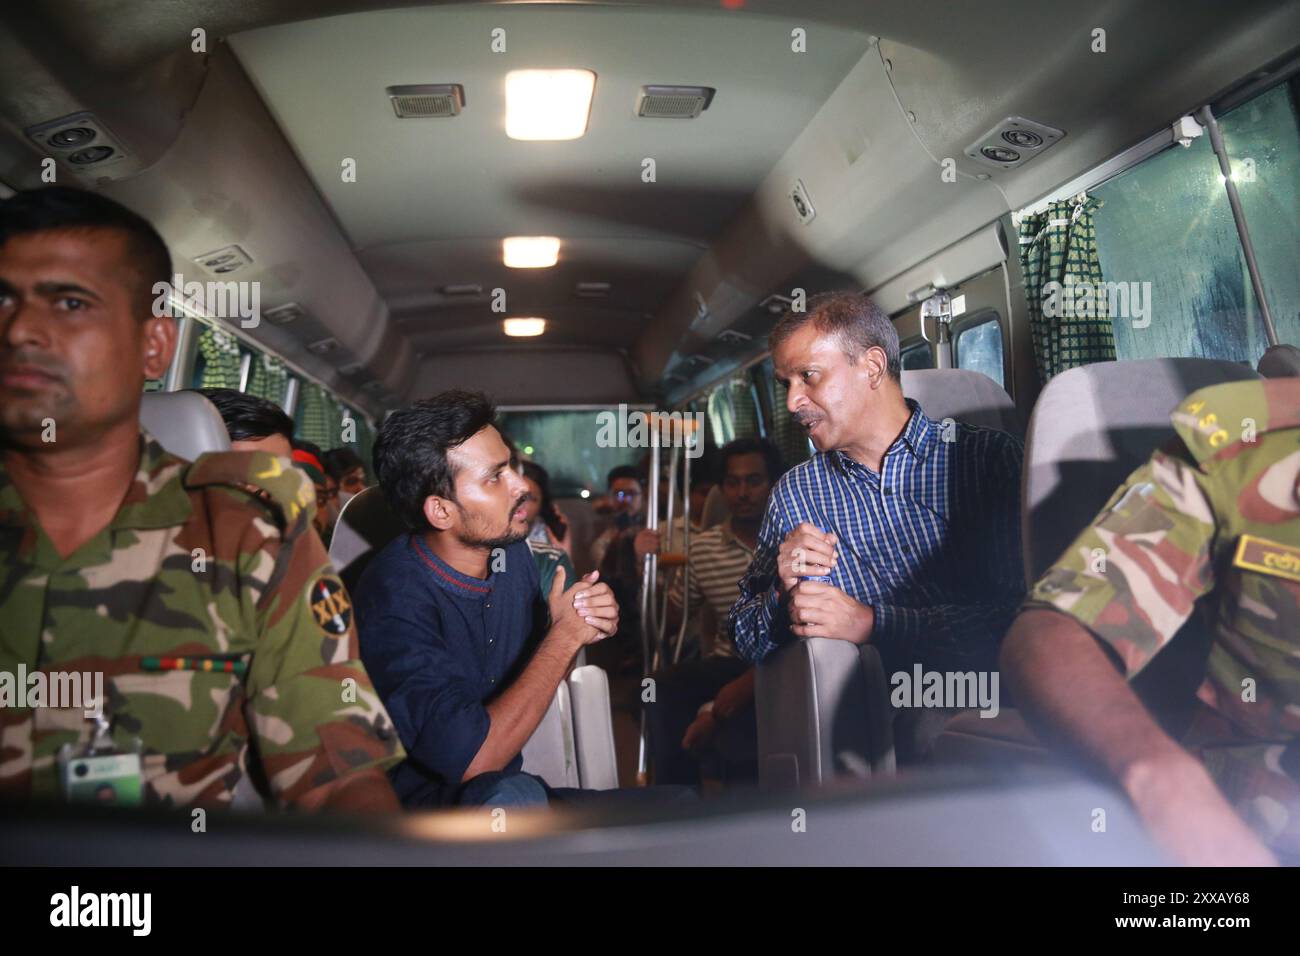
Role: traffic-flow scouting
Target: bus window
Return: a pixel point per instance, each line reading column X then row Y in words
column 1166, row 233
column 916, row 356
column 218, row 362
column 566, row 443
column 978, row 347
column 789, row 438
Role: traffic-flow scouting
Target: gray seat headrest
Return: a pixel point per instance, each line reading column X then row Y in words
column 1280, row 361
column 964, row 396
column 184, row 423
column 365, row 525
column 1091, row 427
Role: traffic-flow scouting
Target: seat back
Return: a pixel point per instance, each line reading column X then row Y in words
column 1280, row 361
column 365, row 525
column 184, row 423
column 964, row 396
column 1091, row 427
column 573, row 746
column 823, row 711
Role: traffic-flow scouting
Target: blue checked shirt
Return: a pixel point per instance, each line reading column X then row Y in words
column 931, row 543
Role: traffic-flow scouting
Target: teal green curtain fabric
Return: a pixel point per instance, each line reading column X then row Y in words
column 1069, row 316
column 220, row 354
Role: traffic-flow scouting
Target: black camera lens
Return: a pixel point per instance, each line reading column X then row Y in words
column 80, row 769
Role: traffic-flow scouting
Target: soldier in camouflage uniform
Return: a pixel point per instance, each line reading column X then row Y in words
column 199, row 591
column 1214, row 518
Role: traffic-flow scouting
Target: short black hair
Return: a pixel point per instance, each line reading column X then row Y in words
column 411, row 450
column 339, row 461
column 856, row 322
column 754, row 446
column 624, row 471
column 63, row 207
column 248, row 417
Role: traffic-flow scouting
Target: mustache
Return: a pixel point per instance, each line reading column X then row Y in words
column 523, row 500
column 46, row 365
column 803, row 418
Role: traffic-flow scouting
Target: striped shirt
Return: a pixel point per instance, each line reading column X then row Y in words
column 931, row 543
column 718, row 560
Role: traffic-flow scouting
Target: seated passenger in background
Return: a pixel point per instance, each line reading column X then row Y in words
column 348, row 471
column 703, row 710
column 916, row 523
column 547, row 524
column 541, row 514
column 1210, row 522
column 253, row 423
column 197, row 592
column 307, row 459
column 466, row 653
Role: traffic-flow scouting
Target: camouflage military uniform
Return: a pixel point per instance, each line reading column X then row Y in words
column 1217, row 517
column 216, row 562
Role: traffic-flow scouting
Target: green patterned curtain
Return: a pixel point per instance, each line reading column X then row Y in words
column 268, row 378
column 785, row 432
column 318, row 419
column 1069, row 314
column 220, row 354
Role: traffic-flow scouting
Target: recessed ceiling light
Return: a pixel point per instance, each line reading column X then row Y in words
column 530, row 252
column 548, row 104
column 524, row 328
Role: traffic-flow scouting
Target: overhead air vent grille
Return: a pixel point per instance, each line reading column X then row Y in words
column 323, row 347
column 225, row 260
column 1013, row 142
column 85, row 147
column 465, row 289
column 592, row 290
column 430, row 101
column 673, row 102
column 283, row 314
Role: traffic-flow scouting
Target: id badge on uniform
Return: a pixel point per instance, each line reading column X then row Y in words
column 101, row 773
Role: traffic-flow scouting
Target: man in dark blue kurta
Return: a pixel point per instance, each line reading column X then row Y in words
column 463, row 649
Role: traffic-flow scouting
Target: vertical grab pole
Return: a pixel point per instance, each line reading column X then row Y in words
column 661, row 631
column 686, row 548
column 648, row 571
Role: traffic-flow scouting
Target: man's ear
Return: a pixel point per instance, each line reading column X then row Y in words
column 876, row 364
column 158, row 343
column 438, row 512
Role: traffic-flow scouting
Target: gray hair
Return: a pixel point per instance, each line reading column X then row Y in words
column 856, row 322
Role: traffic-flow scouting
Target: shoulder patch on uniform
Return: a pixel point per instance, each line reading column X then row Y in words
column 1268, row 557
column 272, row 480
column 330, row 605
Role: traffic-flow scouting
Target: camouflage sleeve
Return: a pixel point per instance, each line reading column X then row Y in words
column 311, row 705
column 1133, row 576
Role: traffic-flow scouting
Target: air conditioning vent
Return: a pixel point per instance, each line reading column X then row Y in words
column 1013, row 142
column 86, row 147
column 323, row 347
column 225, row 260
column 429, row 101
column 592, row 290
column 673, row 102
column 352, row 369
column 465, row 289
column 283, row 314
column 776, row 304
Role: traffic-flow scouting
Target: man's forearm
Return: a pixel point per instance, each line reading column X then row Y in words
column 365, row 791
column 1073, row 696
column 520, row 708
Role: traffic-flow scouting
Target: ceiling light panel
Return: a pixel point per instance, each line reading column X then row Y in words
column 530, row 252
column 548, row 104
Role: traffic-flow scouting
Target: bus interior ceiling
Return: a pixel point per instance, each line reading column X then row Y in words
column 272, row 131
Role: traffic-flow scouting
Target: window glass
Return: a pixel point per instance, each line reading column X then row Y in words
column 1166, row 233
column 789, row 438
column 217, row 364
column 979, row 348
column 1263, row 140
column 917, row 356
column 571, row 447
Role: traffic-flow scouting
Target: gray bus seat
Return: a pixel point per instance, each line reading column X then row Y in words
column 573, row 746
column 964, row 396
column 1091, row 427
column 184, row 423
column 1280, row 361
column 823, row 712
column 823, row 705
